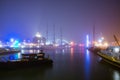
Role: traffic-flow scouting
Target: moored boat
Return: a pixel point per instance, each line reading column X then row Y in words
column 94, row 49
column 27, row 60
column 111, row 56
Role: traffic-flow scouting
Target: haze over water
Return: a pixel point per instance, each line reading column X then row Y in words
column 69, row 64
column 21, row 19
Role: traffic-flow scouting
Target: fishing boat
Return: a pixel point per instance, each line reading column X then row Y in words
column 111, row 55
column 27, row 60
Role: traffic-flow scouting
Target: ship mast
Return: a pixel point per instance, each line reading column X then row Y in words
column 54, row 42
column 47, row 33
column 61, row 35
column 93, row 34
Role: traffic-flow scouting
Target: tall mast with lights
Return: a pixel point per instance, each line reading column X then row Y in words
column 54, row 34
column 47, row 33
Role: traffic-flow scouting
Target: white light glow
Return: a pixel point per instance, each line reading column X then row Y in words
column 100, row 40
column 38, row 34
column 22, row 46
column 1, row 45
column 48, row 42
column 116, row 50
column 11, row 40
column 116, row 75
column 87, row 40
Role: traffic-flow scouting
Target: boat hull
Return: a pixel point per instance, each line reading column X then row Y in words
column 94, row 50
column 25, row 64
column 109, row 59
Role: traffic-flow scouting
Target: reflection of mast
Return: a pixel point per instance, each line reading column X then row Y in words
column 54, row 34
column 116, row 40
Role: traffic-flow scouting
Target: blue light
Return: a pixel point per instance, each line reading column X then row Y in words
column 87, row 65
column 14, row 57
column 87, row 40
column 16, row 44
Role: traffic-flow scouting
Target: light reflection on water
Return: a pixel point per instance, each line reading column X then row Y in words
column 87, row 65
column 15, row 56
column 71, row 53
column 116, row 75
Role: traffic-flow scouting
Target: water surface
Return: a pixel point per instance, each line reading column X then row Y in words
column 69, row 64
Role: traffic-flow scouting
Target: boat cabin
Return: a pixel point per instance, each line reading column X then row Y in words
column 39, row 56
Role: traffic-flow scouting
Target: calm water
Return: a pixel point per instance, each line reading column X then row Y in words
column 69, row 64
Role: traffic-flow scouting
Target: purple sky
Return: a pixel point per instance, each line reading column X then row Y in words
column 24, row 18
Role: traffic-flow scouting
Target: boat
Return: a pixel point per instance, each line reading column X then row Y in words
column 111, row 56
column 27, row 60
column 94, row 49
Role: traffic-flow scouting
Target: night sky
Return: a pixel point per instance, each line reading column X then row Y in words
column 23, row 18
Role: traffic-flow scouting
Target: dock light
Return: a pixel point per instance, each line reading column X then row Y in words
column 72, row 43
column 11, row 40
column 48, row 42
column 15, row 44
column 116, row 50
column 22, row 46
column 102, row 38
column 56, row 45
column 106, row 44
column 38, row 34
column 1, row 45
